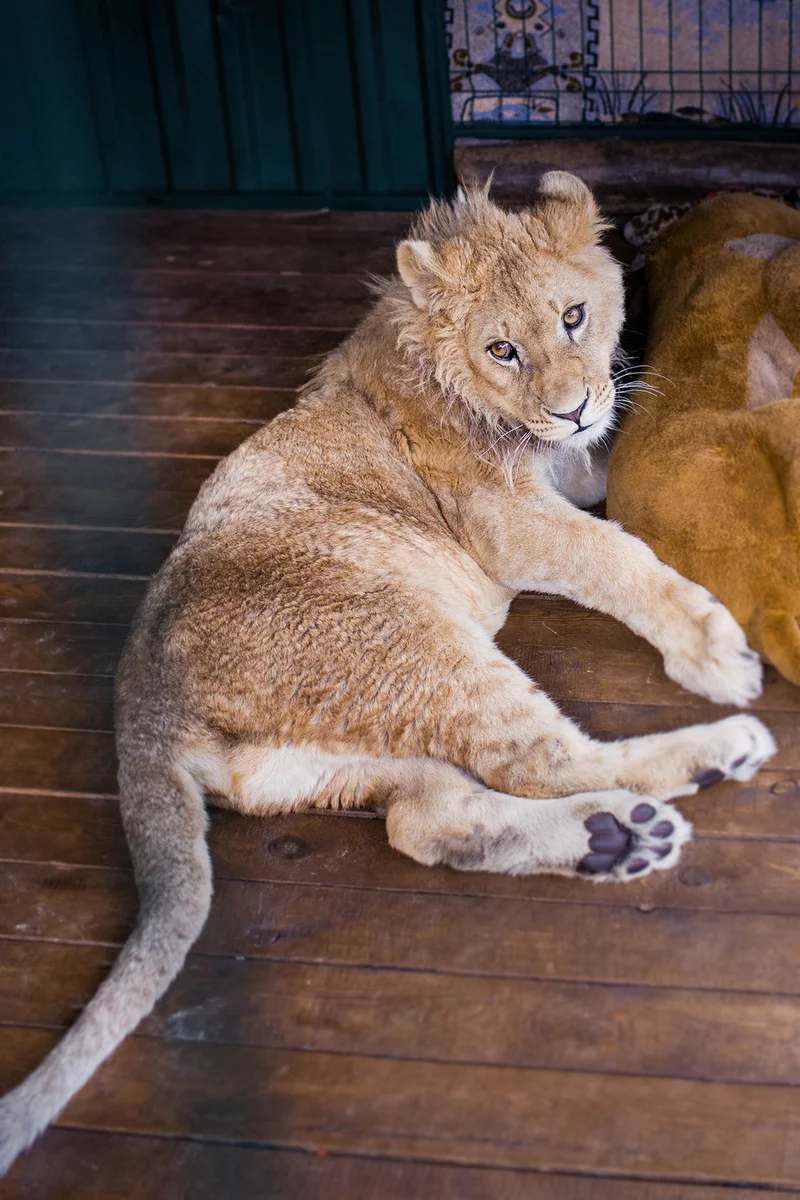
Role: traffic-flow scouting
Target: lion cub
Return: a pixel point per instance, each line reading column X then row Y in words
column 323, row 633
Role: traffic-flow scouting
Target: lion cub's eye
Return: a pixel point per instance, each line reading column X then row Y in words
column 574, row 316
column 503, row 351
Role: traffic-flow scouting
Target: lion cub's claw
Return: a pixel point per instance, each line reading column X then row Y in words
column 737, row 748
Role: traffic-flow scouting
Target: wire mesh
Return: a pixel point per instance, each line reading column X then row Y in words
column 708, row 66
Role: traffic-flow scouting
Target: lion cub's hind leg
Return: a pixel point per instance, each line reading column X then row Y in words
column 437, row 813
column 282, row 779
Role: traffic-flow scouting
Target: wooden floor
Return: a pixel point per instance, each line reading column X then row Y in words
column 351, row 1026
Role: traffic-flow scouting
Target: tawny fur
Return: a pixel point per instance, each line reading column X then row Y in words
column 322, row 635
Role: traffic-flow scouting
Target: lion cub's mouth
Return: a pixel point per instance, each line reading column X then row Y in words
column 592, row 414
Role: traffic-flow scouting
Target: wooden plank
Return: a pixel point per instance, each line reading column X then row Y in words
column 124, row 400
column 309, row 252
column 536, row 619
column 331, row 302
column 40, row 828
column 40, row 363
column 764, row 808
column 61, row 598
column 102, row 434
column 206, row 226
column 65, row 760
column 509, row 937
column 56, row 702
column 609, row 676
column 577, row 653
column 29, row 503
column 581, row 651
column 607, row 664
column 628, row 175
column 450, row 1113
column 61, row 648
column 79, row 1165
column 105, row 552
column 106, row 472
column 720, row 874
column 62, row 333
column 23, row 231
column 675, row 1032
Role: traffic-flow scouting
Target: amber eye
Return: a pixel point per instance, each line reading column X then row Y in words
column 503, row 351
column 574, row 316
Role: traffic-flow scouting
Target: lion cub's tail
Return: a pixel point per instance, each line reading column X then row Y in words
column 165, row 823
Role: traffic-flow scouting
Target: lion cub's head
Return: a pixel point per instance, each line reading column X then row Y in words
column 518, row 314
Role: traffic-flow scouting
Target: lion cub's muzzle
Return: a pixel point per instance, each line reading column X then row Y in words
column 576, row 414
column 592, row 411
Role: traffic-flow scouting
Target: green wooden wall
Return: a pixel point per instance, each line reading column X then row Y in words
column 285, row 102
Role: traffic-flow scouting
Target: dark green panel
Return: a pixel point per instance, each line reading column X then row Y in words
column 371, row 82
column 436, row 97
column 123, row 91
column 47, row 135
column 403, row 98
column 273, row 101
column 251, row 44
column 322, row 91
column 187, row 72
column 404, row 117
column 337, row 97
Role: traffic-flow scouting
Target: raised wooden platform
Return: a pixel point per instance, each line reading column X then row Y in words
column 351, row 1026
column 629, row 174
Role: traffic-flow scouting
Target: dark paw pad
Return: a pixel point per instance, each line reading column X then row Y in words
column 597, row 864
column 706, row 776
column 636, row 865
column 607, row 835
column 663, row 829
column 609, row 842
column 642, row 813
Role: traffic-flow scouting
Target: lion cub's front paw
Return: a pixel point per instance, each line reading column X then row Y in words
column 709, row 655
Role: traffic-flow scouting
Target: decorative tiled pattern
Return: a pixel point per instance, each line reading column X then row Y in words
column 708, row 62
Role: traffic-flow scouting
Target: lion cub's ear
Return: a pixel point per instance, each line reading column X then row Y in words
column 568, row 210
column 419, row 269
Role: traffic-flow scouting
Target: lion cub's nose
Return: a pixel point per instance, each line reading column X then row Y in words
column 575, row 415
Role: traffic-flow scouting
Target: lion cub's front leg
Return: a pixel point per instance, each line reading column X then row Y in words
column 535, row 540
